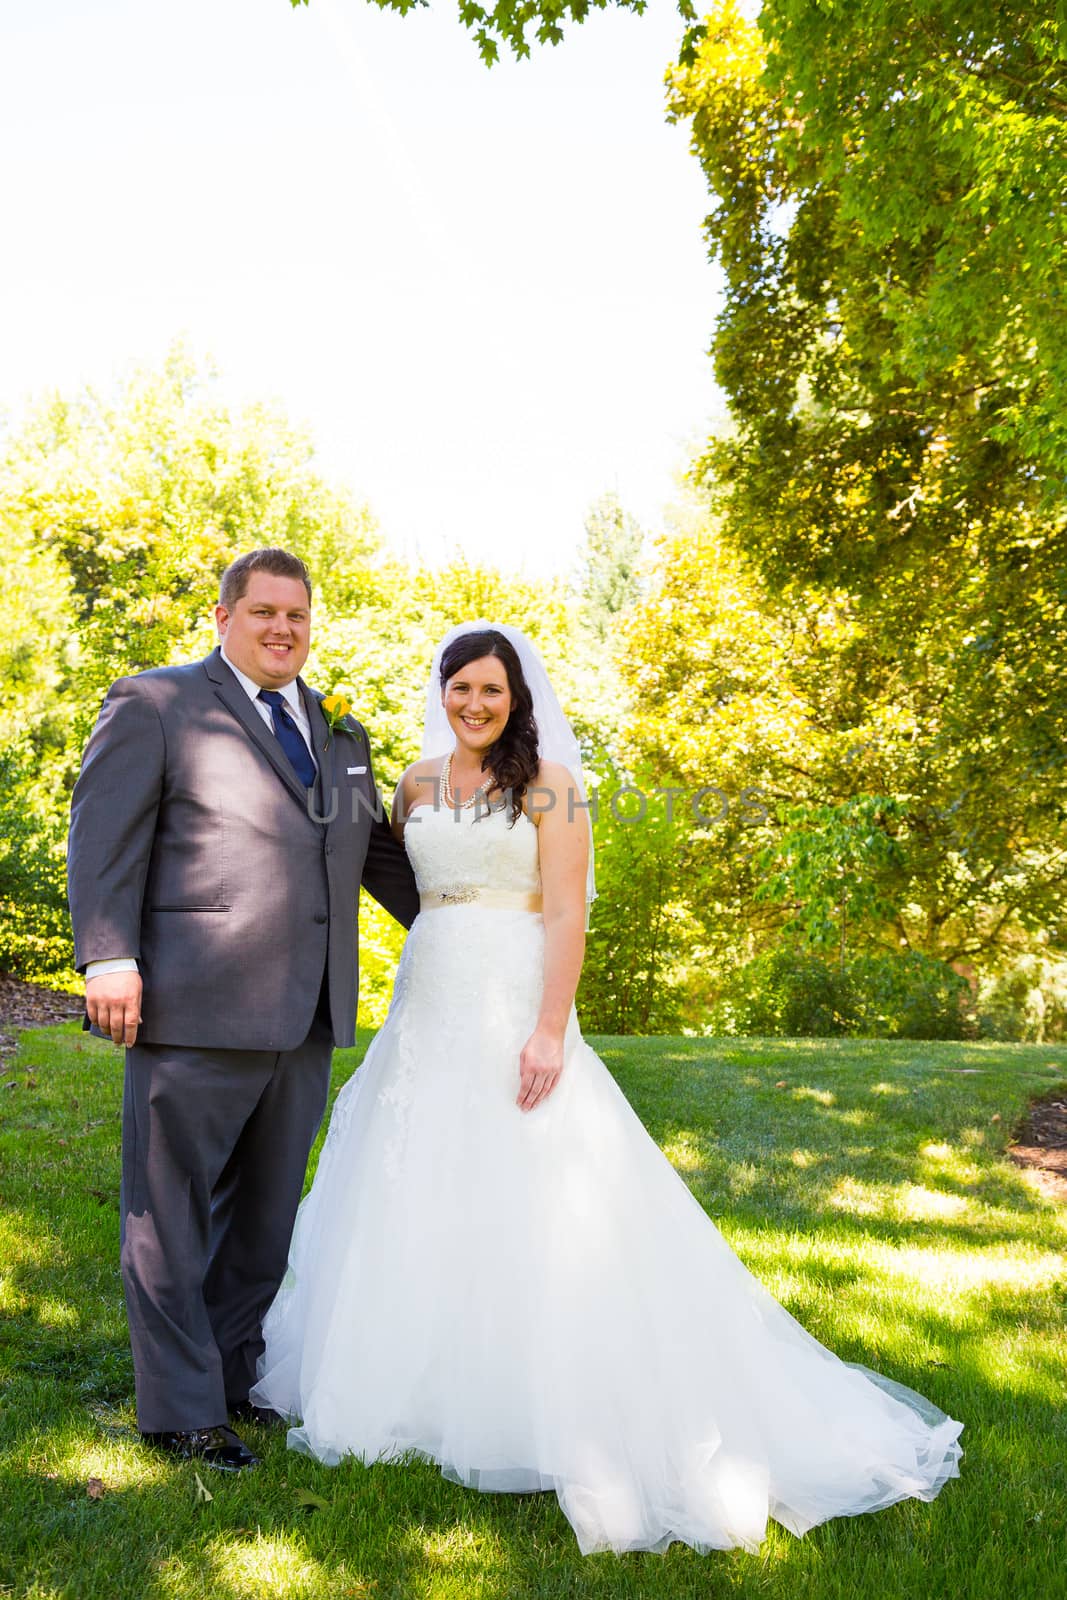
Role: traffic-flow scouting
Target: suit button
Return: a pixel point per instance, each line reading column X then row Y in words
column 320, row 916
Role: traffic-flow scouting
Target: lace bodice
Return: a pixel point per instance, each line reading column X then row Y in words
column 473, row 849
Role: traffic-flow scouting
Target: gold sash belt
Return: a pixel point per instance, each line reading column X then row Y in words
column 491, row 899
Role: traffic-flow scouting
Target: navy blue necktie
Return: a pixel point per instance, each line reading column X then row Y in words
column 290, row 738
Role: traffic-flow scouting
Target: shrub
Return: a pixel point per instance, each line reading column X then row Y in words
column 1027, row 1001
column 35, row 935
column 794, row 992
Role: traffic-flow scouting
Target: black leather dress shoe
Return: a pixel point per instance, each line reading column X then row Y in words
column 262, row 1416
column 219, row 1448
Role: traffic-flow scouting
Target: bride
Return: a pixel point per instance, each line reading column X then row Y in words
column 496, row 1268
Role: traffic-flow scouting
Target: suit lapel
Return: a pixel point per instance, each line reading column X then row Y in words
column 322, row 743
column 236, row 701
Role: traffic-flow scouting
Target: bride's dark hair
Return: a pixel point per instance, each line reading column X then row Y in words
column 512, row 759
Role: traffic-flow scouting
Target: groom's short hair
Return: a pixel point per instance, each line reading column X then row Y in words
column 279, row 563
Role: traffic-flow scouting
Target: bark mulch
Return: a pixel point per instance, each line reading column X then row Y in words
column 32, row 1005
column 1040, row 1142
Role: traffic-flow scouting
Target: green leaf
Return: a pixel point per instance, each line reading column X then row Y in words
column 313, row 1502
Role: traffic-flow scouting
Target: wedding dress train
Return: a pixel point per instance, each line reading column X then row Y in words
column 535, row 1300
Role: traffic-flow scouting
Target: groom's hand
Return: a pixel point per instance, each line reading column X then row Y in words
column 113, row 1002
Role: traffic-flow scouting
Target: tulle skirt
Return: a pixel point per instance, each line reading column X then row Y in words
column 536, row 1302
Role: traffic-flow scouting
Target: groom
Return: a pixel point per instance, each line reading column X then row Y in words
column 215, row 920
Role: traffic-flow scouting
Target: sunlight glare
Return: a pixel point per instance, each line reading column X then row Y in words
column 920, row 1204
column 824, row 1097
column 684, row 1153
column 252, row 1568
column 461, row 1544
column 861, row 1199
column 53, row 1313
column 118, row 1463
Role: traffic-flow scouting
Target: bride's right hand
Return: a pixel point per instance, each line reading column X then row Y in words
column 540, row 1068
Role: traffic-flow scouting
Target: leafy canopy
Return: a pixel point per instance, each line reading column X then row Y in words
column 507, row 22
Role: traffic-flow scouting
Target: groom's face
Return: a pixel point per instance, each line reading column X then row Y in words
column 267, row 632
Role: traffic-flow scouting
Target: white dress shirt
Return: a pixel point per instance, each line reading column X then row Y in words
column 291, row 695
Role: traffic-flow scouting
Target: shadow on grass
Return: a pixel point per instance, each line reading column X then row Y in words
column 399, row 1531
column 883, row 1139
column 779, row 1170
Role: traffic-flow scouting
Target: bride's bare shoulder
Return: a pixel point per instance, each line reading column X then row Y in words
column 416, row 787
column 428, row 767
column 551, row 789
column 555, row 776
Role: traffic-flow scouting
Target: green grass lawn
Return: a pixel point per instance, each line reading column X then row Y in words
column 863, row 1181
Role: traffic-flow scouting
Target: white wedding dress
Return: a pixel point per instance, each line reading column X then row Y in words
column 534, row 1300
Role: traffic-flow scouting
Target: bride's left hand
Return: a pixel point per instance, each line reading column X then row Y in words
column 540, row 1067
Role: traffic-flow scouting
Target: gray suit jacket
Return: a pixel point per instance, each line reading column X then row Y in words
column 193, row 847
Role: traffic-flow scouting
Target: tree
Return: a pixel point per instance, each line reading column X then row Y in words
column 847, row 789
column 835, row 868
column 119, row 514
column 608, row 574
column 143, row 497
column 37, row 657
column 642, row 930
column 507, row 21
column 34, row 924
column 888, row 187
column 36, row 652
column 918, row 155
column 900, row 427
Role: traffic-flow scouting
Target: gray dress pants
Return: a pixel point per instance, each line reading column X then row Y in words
column 214, row 1150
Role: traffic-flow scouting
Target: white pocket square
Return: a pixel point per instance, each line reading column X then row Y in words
column 354, row 772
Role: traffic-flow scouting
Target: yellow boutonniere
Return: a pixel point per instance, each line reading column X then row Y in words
column 335, row 708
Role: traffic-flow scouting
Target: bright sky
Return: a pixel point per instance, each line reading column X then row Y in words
column 484, row 291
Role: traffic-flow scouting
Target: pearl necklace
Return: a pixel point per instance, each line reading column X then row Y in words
column 449, row 797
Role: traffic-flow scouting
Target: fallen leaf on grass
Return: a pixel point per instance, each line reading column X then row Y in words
column 202, row 1493
column 95, row 1489
column 314, row 1502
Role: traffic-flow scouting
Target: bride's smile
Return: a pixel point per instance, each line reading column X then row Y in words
column 477, row 702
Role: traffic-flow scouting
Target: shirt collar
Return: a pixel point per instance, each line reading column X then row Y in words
column 290, row 693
